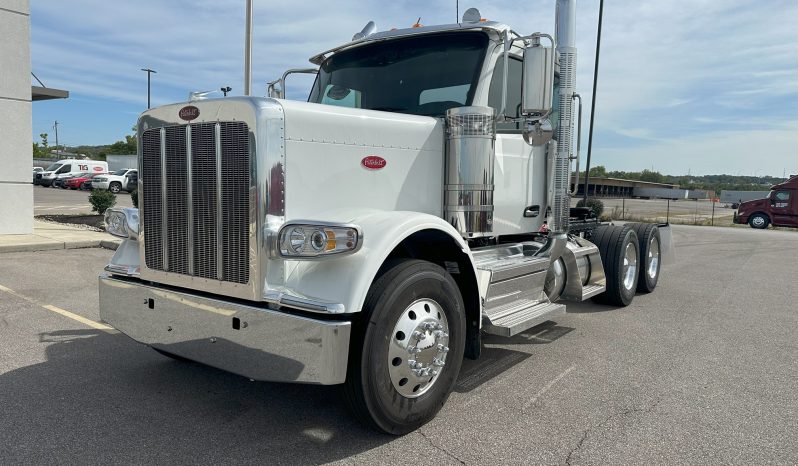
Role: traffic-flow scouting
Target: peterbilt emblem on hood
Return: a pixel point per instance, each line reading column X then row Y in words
column 373, row 162
column 189, row 112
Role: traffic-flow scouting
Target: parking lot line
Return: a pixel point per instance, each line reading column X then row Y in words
column 548, row 386
column 58, row 310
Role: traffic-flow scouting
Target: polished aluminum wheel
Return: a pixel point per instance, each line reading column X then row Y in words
column 418, row 348
column 653, row 258
column 758, row 221
column 630, row 265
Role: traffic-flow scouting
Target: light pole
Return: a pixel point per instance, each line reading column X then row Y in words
column 593, row 103
column 149, row 72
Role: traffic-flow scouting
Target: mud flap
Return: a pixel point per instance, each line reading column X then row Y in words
column 667, row 250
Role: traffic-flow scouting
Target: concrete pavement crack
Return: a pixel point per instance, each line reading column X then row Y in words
column 586, row 433
column 446, row 452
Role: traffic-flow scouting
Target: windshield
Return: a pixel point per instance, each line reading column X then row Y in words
column 54, row 167
column 423, row 75
column 119, row 172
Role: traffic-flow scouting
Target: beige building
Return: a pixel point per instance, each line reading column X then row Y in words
column 16, row 95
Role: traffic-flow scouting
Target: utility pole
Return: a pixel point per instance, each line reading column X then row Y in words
column 149, row 72
column 226, row 89
column 593, row 103
column 55, row 127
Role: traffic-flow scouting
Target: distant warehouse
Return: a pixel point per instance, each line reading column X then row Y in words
column 617, row 187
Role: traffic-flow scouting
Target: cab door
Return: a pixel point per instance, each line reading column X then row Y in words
column 783, row 207
column 519, row 204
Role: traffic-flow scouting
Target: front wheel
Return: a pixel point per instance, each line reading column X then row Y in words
column 407, row 350
column 758, row 221
column 115, row 187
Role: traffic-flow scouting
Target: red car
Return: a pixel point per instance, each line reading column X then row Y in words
column 81, row 181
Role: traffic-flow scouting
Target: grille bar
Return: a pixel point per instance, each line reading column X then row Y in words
column 217, row 133
column 196, row 209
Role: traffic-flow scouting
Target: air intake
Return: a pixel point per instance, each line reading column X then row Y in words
column 468, row 183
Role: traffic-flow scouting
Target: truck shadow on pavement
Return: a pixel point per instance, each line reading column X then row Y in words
column 100, row 397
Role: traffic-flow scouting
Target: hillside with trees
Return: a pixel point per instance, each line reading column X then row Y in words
column 715, row 183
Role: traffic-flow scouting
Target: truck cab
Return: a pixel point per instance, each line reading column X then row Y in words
column 779, row 209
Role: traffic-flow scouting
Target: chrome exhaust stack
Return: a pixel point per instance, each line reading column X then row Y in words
column 468, row 177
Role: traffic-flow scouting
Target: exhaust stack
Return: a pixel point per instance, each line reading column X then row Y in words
column 566, row 50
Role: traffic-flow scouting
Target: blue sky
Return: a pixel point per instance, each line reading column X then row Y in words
column 704, row 86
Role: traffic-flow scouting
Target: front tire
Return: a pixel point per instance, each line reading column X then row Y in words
column 407, row 349
column 115, row 187
column 618, row 246
column 759, row 221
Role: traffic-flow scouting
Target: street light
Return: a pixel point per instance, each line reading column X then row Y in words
column 226, row 89
column 149, row 72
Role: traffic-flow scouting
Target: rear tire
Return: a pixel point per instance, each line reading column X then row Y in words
column 383, row 388
column 619, row 250
column 650, row 247
column 759, row 221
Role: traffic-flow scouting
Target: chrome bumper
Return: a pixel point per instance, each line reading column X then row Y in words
column 266, row 345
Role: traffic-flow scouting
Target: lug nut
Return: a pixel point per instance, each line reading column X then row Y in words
column 443, row 349
column 416, row 334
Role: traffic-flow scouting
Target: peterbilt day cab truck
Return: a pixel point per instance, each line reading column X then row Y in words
column 779, row 208
column 371, row 235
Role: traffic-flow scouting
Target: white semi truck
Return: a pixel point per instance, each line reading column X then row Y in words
column 371, row 235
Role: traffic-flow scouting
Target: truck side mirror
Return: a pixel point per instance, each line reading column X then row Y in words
column 537, row 81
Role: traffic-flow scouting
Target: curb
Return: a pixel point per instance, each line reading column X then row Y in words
column 56, row 245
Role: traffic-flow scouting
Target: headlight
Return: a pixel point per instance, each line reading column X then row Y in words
column 308, row 240
column 122, row 222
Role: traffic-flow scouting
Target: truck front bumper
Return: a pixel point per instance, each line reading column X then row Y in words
column 255, row 342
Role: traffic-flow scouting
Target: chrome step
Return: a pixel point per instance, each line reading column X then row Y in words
column 514, row 320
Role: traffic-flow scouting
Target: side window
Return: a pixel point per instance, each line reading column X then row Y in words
column 65, row 169
column 457, row 94
column 341, row 96
column 514, row 73
column 782, row 195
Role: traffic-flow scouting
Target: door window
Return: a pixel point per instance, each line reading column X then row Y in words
column 780, row 199
column 514, row 73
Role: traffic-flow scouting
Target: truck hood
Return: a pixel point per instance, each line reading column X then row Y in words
column 340, row 157
column 748, row 206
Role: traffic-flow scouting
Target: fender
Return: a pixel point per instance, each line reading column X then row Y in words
column 346, row 280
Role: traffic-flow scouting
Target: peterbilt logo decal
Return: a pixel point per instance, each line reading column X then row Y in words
column 189, row 113
column 373, row 162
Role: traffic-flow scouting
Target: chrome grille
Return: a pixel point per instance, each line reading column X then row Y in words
column 195, row 183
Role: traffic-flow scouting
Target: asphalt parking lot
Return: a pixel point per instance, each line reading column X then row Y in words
column 57, row 201
column 702, row 371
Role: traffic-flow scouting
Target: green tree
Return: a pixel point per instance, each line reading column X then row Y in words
column 44, row 140
column 651, row 176
column 598, row 171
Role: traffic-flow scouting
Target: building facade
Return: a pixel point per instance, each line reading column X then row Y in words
column 16, row 188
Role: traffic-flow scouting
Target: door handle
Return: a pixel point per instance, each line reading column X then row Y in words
column 532, row 211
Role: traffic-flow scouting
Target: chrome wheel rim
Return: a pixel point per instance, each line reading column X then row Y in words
column 417, row 348
column 758, row 221
column 629, row 266
column 653, row 257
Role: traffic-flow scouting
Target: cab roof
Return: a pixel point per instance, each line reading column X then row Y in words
column 488, row 26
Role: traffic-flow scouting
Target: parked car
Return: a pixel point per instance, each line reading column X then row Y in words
column 113, row 182
column 36, row 170
column 131, row 181
column 77, row 182
column 69, row 166
column 60, row 180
